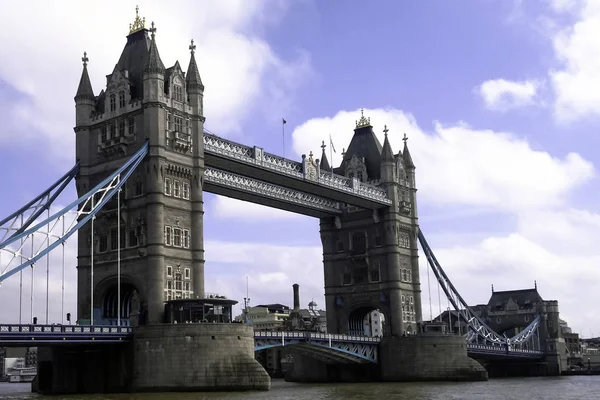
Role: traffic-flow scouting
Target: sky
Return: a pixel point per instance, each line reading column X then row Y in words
column 500, row 100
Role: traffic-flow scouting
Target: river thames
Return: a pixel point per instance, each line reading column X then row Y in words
column 571, row 387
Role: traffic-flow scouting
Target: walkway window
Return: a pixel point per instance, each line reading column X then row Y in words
column 131, row 126
column 121, row 99
column 186, row 239
column 176, row 237
column 176, row 188
column 177, row 93
column 168, row 235
column 122, row 127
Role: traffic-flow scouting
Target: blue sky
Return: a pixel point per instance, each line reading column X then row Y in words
column 500, row 100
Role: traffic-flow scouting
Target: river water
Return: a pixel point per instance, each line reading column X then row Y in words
column 564, row 388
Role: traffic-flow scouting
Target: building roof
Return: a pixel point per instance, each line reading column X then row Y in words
column 274, row 307
column 521, row 297
column 134, row 58
column 364, row 145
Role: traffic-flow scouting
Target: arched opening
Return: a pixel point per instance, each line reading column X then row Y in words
column 367, row 321
column 110, row 304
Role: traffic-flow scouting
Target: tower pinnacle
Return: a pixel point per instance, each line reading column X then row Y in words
column 84, row 90
column 192, row 76
column 138, row 23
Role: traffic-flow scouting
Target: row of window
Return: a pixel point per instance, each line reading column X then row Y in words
column 177, row 237
column 186, row 272
column 358, row 243
column 129, row 238
column 113, row 100
column 408, row 317
column 177, row 123
column 176, row 188
column 408, row 299
column 117, row 129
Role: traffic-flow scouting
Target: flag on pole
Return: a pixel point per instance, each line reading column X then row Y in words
column 284, row 121
column 331, row 144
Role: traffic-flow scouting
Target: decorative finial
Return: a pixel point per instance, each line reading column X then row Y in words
column 323, row 145
column 138, row 23
column 85, row 59
column 385, row 130
column 152, row 30
column 535, row 284
column 492, row 288
column 362, row 122
column 192, row 47
column 343, row 152
column 405, row 138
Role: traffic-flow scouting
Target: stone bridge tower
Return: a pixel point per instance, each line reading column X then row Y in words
column 161, row 239
column 370, row 256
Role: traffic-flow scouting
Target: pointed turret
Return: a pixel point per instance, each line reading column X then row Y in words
column 408, row 162
column 193, row 83
column 386, row 153
column 85, row 101
column 84, row 91
column 192, row 76
column 154, row 63
column 154, row 71
column 324, row 162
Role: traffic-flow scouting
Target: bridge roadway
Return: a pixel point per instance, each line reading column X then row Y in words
column 328, row 347
column 249, row 173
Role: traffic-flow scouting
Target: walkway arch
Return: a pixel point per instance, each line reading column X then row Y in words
column 367, row 321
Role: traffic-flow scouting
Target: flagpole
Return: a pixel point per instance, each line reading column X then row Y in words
column 331, row 153
column 283, row 121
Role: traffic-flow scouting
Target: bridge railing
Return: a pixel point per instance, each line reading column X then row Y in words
column 74, row 329
column 314, row 336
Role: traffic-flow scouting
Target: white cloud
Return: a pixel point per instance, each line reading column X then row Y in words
column 229, row 208
column 233, row 58
column 577, row 82
column 503, row 95
column 460, row 165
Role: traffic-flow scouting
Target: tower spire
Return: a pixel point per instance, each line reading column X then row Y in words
column 386, row 152
column 154, row 64
column 85, row 85
column 192, row 76
column 408, row 162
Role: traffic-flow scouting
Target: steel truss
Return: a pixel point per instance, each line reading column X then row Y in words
column 85, row 208
column 480, row 332
column 342, row 347
column 21, row 219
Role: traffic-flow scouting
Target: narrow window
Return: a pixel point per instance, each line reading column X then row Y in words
column 168, row 235
column 186, row 190
column 167, row 186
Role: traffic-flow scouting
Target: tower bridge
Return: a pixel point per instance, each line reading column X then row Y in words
column 144, row 160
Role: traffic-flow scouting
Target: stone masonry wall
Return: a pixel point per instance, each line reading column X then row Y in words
column 196, row 357
column 423, row 358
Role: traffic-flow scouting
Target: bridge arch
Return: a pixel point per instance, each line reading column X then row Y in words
column 106, row 298
column 368, row 320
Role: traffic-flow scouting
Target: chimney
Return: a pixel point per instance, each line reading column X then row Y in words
column 296, row 296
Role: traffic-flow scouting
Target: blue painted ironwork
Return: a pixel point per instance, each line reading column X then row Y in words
column 354, row 348
column 62, row 334
column 85, row 208
column 479, row 329
column 11, row 225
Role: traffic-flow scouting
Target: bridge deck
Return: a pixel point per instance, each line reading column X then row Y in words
column 33, row 335
column 253, row 162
